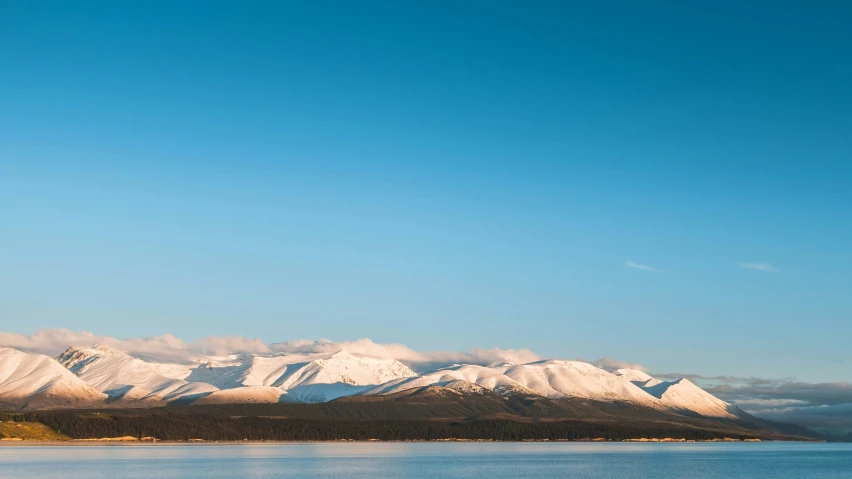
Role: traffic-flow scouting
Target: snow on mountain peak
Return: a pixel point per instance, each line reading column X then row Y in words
column 550, row 378
column 36, row 381
column 684, row 394
column 129, row 380
column 633, row 374
column 637, row 377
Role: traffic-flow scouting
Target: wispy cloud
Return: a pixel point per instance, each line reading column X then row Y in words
column 765, row 267
column 643, row 267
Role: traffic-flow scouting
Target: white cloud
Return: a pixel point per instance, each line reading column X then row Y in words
column 165, row 347
column 415, row 359
column 230, row 344
column 359, row 346
column 643, row 267
column 53, row 341
column 611, row 364
column 483, row 357
column 49, row 341
column 765, row 267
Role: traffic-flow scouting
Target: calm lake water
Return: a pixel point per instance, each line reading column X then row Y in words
column 431, row 460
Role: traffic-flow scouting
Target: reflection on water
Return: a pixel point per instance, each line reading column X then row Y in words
column 430, row 460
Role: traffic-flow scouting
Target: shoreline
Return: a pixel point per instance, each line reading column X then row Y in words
column 119, row 443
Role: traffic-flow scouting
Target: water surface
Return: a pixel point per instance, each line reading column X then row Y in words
column 431, row 460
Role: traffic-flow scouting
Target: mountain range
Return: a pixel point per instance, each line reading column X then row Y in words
column 106, row 377
column 346, row 385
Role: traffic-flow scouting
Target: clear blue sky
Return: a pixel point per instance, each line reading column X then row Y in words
column 443, row 174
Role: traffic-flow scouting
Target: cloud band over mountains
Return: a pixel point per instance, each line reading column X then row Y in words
column 168, row 347
column 822, row 406
column 826, row 407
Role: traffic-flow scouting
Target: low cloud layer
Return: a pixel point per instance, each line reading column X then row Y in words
column 417, row 360
column 835, row 420
column 825, row 407
column 165, row 347
column 611, row 364
column 171, row 348
column 53, row 341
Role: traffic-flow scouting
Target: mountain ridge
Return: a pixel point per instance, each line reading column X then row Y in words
column 132, row 381
column 344, row 384
column 341, row 385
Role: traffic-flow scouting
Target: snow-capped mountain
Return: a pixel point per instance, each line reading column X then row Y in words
column 639, row 378
column 127, row 379
column 124, row 377
column 107, row 377
column 550, row 378
column 36, row 381
column 573, row 379
column 685, row 395
column 681, row 394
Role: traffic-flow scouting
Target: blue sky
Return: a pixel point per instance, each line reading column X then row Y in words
column 445, row 174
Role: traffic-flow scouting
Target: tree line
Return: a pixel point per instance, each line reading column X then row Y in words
column 183, row 427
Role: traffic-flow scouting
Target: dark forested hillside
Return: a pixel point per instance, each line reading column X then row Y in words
column 430, row 413
column 183, row 426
